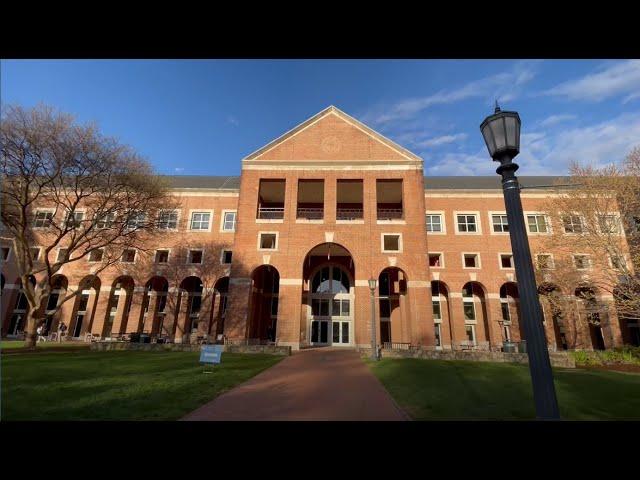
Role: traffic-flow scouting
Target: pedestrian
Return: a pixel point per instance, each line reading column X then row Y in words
column 40, row 332
column 62, row 328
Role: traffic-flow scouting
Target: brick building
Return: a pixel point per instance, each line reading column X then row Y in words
column 285, row 251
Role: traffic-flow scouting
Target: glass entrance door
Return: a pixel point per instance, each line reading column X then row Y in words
column 331, row 301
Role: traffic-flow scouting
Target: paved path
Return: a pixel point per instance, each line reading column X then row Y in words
column 318, row 384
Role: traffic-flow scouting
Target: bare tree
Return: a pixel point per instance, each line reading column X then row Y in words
column 596, row 236
column 74, row 191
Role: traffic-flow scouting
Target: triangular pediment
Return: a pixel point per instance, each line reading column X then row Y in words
column 332, row 135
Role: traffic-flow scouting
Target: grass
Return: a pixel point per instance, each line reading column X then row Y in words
column 117, row 385
column 458, row 390
column 17, row 344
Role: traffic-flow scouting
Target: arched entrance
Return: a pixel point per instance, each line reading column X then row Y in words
column 552, row 302
column 441, row 314
column 118, row 307
column 392, row 287
column 191, row 289
column 59, row 284
column 476, row 325
column 590, row 311
column 263, row 305
column 154, row 308
column 221, row 290
column 84, row 306
column 328, row 296
column 509, row 310
column 17, row 322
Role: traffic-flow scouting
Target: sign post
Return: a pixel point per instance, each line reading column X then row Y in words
column 211, row 354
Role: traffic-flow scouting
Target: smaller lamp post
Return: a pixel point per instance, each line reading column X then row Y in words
column 374, row 349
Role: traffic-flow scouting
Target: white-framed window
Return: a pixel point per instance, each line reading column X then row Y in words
column 504, row 306
column 106, row 220
column 96, row 255
column 437, row 333
column 4, row 253
column 468, row 304
column 617, row 261
column 609, row 224
column 545, row 261
column 467, row 223
column 436, row 308
column 582, row 262
column 470, row 332
column 162, row 256
column 470, row 260
column 506, row 261
column 136, row 220
column 435, row 223
column 537, row 223
column 43, row 218
column 225, row 257
column 75, row 218
column 195, row 256
column 267, row 240
column 60, row 256
column 128, row 256
column 34, row 252
column 228, row 222
column 499, row 223
column 200, row 221
column 391, row 242
column 168, row 219
column 436, row 259
column 572, row 224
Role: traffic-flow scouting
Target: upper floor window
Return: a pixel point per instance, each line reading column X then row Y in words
column 62, row 255
column 545, row 261
column 162, row 256
column 389, row 199
column 500, row 223
column 349, row 198
column 582, row 262
column 471, row 260
column 136, row 220
column 310, row 199
column 506, row 260
column 434, row 222
column 268, row 241
column 229, row 222
column 391, row 242
column 200, row 220
column 609, row 224
column 467, row 223
column 226, row 257
column 271, row 194
column 168, row 220
column 572, row 224
column 435, row 260
column 96, row 255
column 43, row 219
column 128, row 256
column 106, row 220
column 74, row 219
column 195, row 256
column 537, row 224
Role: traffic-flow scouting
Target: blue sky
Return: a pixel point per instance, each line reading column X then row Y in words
column 203, row 116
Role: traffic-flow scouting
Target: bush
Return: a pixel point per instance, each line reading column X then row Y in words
column 626, row 354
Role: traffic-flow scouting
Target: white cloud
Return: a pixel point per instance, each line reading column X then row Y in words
column 618, row 79
column 555, row 119
column 442, row 140
column 461, row 164
column 633, row 96
column 178, row 170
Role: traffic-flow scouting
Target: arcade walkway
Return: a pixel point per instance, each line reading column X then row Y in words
column 317, row 384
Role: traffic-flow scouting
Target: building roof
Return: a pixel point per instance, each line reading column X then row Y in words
column 492, row 182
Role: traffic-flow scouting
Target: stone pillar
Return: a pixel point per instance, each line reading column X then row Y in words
column 237, row 316
column 134, row 323
column 421, row 314
column 216, row 311
column 182, row 318
column 65, row 313
column 289, row 309
column 148, row 321
column 172, row 309
column 611, row 327
column 362, row 315
column 494, row 311
column 100, row 310
column 206, row 311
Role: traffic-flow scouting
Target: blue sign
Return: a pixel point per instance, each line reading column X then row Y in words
column 211, row 353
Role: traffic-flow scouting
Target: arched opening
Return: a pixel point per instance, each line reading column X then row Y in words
column 328, row 296
column 18, row 318
column 476, row 324
column 441, row 313
column 591, row 312
column 118, row 307
column 263, row 305
column 629, row 324
column 392, row 289
column 552, row 302
column 510, row 310
column 154, row 308
column 59, row 284
column 190, row 297
column 84, row 306
column 221, row 290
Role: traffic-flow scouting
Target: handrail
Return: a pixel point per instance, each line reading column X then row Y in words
column 389, row 213
column 271, row 212
column 310, row 213
column 349, row 213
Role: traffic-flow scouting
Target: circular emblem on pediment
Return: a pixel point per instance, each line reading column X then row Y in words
column 331, row 144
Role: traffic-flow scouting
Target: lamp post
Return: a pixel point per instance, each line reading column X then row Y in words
column 374, row 350
column 501, row 132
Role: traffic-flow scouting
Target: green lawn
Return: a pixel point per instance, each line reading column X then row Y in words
column 448, row 390
column 117, row 385
column 15, row 344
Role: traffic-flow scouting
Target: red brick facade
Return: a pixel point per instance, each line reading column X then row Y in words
column 336, row 204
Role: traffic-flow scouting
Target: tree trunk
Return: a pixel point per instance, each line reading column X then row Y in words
column 30, row 335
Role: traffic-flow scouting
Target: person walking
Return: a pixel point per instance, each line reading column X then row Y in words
column 62, row 328
column 40, row 332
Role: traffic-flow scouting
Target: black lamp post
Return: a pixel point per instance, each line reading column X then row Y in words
column 374, row 349
column 501, row 132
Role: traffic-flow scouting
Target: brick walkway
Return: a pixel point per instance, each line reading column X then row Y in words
column 317, row 384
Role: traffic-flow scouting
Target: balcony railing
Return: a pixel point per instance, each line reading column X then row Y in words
column 271, row 213
column 310, row 213
column 389, row 213
column 396, row 346
column 349, row 214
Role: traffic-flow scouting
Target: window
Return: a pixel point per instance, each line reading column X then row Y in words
column 617, row 262
column 43, row 219
column 469, row 307
column 35, row 253
column 572, row 224
column 195, row 256
column 268, row 241
column 96, row 255
column 435, row 260
column 537, row 224
column 437, row 314
column 128, row 256
column 581, row 262
column 229, row 222
column 467, row 223
column 506, row 260
column 106, row 221
column 136, row 220
column 636, row 223
column 608, row 224
column 62, row 253
column 500, row 223
column 74, row 219
column 4, row 253
column 471, row 260
column 226, row 256
column 437, row 335
column 391, row 243
column 200, row 220
column 469, row 311
column 162, row 256
column 470, row 331
column 545, row 261
column 434, row 222
column 168, row 220
column 504, row 305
